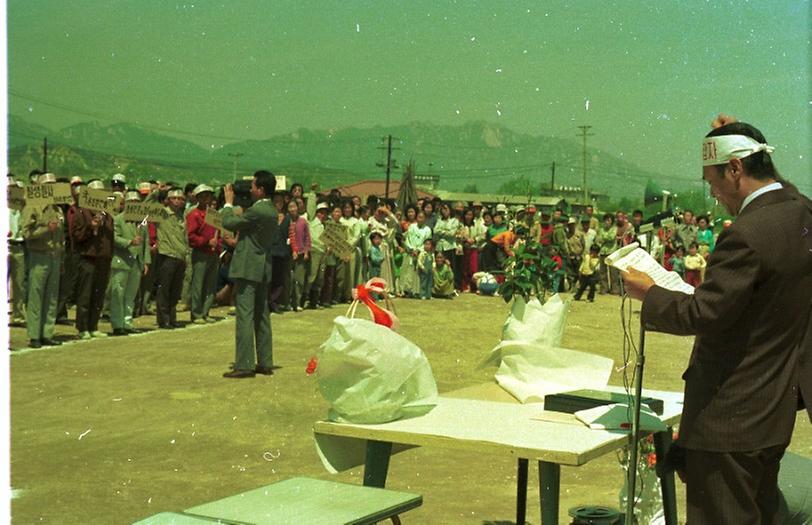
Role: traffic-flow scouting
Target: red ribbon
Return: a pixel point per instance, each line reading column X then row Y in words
column 381, row 316
column 311, row 365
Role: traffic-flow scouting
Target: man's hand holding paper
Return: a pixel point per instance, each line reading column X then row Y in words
column 637, row 283
column 633, row 257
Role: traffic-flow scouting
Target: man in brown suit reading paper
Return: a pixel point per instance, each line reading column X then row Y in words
column 750, row 368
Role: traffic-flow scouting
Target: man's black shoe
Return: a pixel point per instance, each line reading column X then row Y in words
column 166, row 327
column 50, row 342
column 35, row 343
column 239, row 374
column 264, row 370
column 64, row 321
column 177, row 325
column 119, row 332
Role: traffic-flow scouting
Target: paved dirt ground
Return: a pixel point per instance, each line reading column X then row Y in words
column 116, row 429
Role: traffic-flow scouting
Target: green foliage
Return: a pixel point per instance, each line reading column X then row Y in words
column 528, row 272
column 518, row 186
column 470, row 188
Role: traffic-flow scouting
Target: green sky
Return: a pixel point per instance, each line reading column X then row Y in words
column 649, row 76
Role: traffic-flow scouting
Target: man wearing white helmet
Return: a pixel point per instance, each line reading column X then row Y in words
column 118, row 182
column 130, row 261
column 172, row 249
column 42, row 229
column 92, row 234
column 205, row 243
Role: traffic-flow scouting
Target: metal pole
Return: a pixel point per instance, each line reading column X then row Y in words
column 584, row 135
column 552, row 178
column 634, row 438
column 388, row 164
column 236, row 157
column 45, row 154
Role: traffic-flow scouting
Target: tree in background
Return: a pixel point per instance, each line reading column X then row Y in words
column 517, row 186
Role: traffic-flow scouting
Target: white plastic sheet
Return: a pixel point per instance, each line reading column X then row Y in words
column 534, row 322
column 370, row 374
column 531, row 371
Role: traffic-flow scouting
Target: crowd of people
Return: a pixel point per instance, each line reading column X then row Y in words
column 109, row 267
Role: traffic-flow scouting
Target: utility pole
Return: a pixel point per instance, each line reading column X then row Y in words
column 584, row 135
column 552, row 177
column 389, row 165
column 236, row 157
column 45, row 154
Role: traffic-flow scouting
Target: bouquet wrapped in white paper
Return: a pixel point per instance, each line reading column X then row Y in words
column 369, row 373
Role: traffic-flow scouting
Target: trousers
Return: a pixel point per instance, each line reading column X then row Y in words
column 16, row 274
column 733, row 487
column 253, row 331
column 203, row 286
column 94, row 273
column 43, row 293
column 123, row 289
column 170, row 284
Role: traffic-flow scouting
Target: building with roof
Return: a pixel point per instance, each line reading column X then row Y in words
column 543, row 203
column 378, row 188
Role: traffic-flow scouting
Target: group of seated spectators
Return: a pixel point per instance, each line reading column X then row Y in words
column 61, row 256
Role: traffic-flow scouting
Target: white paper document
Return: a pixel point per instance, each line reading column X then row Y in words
column 639, row 259
column 616, row 417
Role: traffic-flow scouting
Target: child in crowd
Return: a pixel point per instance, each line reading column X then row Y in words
column 375, row 254
column 677, row 261
column 588, row 273
column 443, row 285
column 559, row 272
column 425, row 269
column 694, row 265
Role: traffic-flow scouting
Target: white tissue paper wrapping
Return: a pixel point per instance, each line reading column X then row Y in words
column 534, row 322
column 531, row 361
column 531, row 371
column 370, row 374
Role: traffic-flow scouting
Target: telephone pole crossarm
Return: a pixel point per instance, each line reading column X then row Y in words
column 389, row 165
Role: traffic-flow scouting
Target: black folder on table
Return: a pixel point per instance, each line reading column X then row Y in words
column 571, row 402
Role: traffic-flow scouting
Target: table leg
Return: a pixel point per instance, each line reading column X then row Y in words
column 521, row 491
column 376, row 464
column 662, row 442
column 549, row 489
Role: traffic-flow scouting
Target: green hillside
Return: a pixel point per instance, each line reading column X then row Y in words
column 479, row 154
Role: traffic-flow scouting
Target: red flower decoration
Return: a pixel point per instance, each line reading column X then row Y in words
column 381, row 316
column 652, row 460
column 311, row 365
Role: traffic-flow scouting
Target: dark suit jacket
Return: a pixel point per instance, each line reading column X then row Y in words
column 252, row 256
column 749, row 316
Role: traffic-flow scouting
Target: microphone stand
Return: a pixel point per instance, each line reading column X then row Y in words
column 634, row 437
column 662, row 440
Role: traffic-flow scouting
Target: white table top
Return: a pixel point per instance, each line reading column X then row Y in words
column 485, row 426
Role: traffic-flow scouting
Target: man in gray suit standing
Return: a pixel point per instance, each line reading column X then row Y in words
column 750, row 369
column 251, row 271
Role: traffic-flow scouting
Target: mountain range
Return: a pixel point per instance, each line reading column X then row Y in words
column 480, row 154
